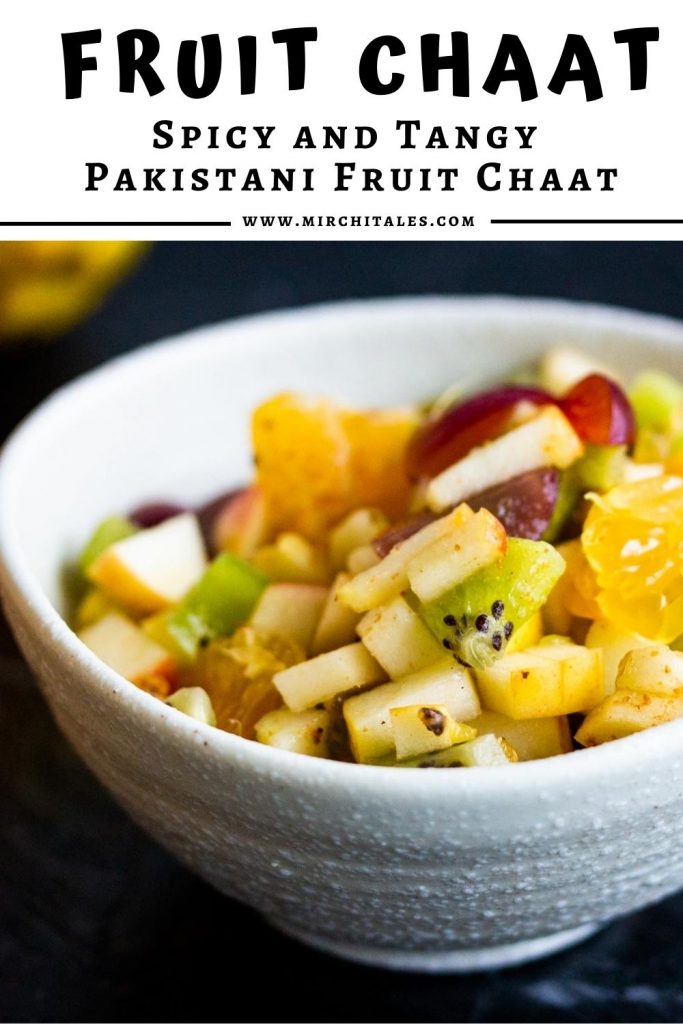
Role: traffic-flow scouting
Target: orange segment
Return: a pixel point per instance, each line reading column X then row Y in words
column 316, row 462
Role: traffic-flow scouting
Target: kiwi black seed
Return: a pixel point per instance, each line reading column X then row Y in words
column 497, row 609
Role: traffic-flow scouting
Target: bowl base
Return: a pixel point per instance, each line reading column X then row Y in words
column 457, row 961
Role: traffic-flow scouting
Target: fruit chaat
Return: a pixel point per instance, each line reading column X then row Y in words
column 495, row 576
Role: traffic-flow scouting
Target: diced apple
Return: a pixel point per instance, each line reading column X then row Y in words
column 123, row 646
column 292, row 559
column 361, row 559
column 108, row 532
column 389, row 578
column 561, row 368
column 320, row 679
column 303, row 732
column 368, row 716
column 337, row 624
column 357, row 530
column 626, row 712
column 657, row 670
column 546, row 440
column 398, row 639
column 152, row 569
column 543, row 682
column 486, row 752
column 291, row 609
column 532, row 739
column 421, row 729
column 195, row 702
column 241, row 526
column 93, row 605
column 614, row 644
column 446, row 562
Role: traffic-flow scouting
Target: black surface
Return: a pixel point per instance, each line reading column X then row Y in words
column 96, row 923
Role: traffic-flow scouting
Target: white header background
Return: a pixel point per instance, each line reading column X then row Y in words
column 47, row 140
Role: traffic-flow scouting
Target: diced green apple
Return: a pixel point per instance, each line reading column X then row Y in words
column 361, row 559
column 421, row 729
column 320, row 679
column 386, row 580
column 368, row 715
column 546, row 440
column 292, row 610
column 195, row 702
column 221, row 601
column 398, row 639
column 123, row 646
column 303, row 732
column 479, row 541
column 152, row 569
column 337, row 624
column 482, row 752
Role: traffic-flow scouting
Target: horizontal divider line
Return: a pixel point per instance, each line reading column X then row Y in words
column 573, row 220
column 115, row 224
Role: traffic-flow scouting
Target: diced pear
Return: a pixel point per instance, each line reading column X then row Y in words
column 108, row 532
column 154, row 568
column 543, row 682
column 657, row 670
column 527, row 635
column 398, row 639
column 292, row 559
column 532, row 739
column 546, row 440
column 357, row 530
column 421, row 729
column 388, row 578
column 368, row 715
column 123, row 646
column 361, row 559
column 195, row 702
column 303, row 732
column 241, row 526
column 614, row 643
column 626, row 712
column 291, row 609
column 446, row 562
column 320, row 679
column 561, row 368
column 337, row 624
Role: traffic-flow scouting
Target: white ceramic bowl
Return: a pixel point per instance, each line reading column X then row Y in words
column 433, row 870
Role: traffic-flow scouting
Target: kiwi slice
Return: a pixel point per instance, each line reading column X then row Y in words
column 476, row 619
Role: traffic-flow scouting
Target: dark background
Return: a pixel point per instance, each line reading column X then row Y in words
column 96, row 923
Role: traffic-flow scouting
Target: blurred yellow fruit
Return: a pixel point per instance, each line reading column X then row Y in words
column 47, row 287
column 316, row 462
column 633, row 539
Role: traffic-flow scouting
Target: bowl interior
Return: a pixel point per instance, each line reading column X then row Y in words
column 172, row 421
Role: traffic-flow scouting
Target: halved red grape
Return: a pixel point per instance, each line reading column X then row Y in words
column 524, row 504
column 440, row 442
column 599, row 411
column 154, row 513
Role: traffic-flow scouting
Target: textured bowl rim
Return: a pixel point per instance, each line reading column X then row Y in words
column 584, row 767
